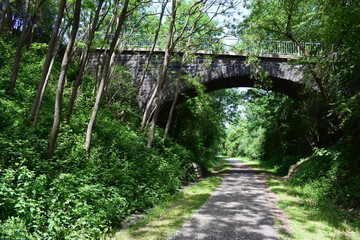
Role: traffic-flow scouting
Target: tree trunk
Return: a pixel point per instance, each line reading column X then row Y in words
column 33, row 116
column 84, row 60
column 169, row 48
column 4, row 14
column 162, row 77
column 171, row 114
column 100, row 68
column 24, row 35
column 145, row 114
column 112, row 22
column 60, row 88
column 104, row 76
column 178, row 78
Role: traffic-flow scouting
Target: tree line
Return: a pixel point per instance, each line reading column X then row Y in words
column 323, row 126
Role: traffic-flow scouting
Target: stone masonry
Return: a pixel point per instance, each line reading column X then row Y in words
column 214, row 71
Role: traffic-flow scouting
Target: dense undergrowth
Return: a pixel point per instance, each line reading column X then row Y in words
column 166, row 218
column 77, row 195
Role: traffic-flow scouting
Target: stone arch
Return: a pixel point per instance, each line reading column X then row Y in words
column 283, row 86
column 225, row 70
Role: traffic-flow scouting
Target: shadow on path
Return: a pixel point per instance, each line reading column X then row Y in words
column 238, row 209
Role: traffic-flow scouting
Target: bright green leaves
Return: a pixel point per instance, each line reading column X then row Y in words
column 275, row 129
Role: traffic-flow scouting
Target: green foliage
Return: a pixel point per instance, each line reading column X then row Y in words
column 77, row 195
column 272, row 130
column 279, row 132
column 332, row 173
column 329, row 177
column 199, row 124
column 257, row 73
column 175, row 211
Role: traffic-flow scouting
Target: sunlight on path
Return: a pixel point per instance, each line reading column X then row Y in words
column 238, row 209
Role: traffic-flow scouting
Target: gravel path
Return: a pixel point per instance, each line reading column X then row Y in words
column 238, row 209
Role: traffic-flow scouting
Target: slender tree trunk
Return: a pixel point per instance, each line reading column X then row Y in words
column 83, row 63
column 104, row 76
column 113, row 21
column 162, row 77
column 171, row 114
column 174, row 41
column 25, row 39
column 24, row 34
column 193, row 9
column 4, row 14
column 145, row 114
column 55, row 51
column 149, row 104
column 178, row 78
column 60, row 88
column 36, row 116
column 33, row 116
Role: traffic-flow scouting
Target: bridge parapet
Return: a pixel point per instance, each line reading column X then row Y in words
column 224, row 45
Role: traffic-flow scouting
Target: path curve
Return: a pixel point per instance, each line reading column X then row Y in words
column 238, row 209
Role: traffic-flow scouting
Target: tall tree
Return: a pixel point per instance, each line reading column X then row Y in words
column 180, row 30
column 200, row 22
column 61, row 81
column 147, row 108
column 162, row 76
column 105, row 74
column 30, row 9
column 35, row 109
column 83, row 62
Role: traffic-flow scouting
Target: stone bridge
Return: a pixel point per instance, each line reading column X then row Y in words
column 225, row 70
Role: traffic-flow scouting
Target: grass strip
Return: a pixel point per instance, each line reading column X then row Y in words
column 166, row 218
column 307, row 218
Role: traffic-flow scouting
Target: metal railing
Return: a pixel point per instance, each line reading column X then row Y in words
column 225, row 44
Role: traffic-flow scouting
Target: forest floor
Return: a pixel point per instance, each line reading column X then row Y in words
column 241, row 208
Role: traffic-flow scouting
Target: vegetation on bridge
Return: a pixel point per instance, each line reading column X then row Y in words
column 77, row 155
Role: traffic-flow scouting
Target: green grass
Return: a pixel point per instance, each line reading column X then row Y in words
column 308, row 219
column 166, row 218
column 263, row 167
